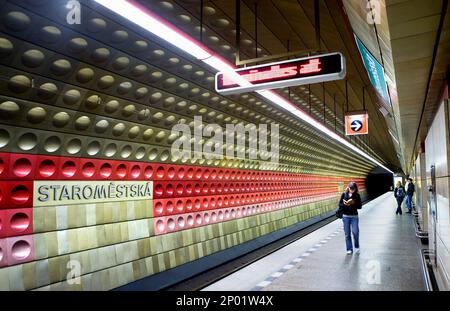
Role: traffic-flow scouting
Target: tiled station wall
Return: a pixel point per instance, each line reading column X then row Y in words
column 86, row 174
column 437, row 153
column 192, row 211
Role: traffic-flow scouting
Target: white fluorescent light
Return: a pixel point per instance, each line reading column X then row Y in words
column 277, row 100
column 151, row 22
column 141, row 16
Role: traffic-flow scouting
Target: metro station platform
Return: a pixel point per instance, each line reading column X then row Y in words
column 389, row 258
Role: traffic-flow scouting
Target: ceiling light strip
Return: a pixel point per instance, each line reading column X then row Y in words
column 151, row 22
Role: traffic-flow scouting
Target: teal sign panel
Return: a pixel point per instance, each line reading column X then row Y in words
column 375, row 71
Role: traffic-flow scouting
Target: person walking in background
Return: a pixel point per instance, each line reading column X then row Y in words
column 410, row 189
column 399, row 193
column 350, row 202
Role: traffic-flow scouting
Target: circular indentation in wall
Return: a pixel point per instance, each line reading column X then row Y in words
column 73, row 146
column 157, row 117
column 112, row 106
column 61, row 67
column 139, row 46
column 96, row 25
column 170, row 82
column 88, row 169
column 77, row 45
column 36, row 115
column 106, row 82
column 100, row 55
column 50, row 34
column 47, row 90
column 6, row 47
column 33, row 58
column 169, row 101
column 135, row 171
column 118, row 129
column 157, row 54
column 153, row 154
column 159, row 208
column 221, row 22
column 129, row 110
column 164, row 156
column 22, row 167
column 16, row 21
column 173, row 61
column 69, row 169
column 21, row 250
column 82, row 123
column 140, row 153
column 148, row 133
column 110, row 150
column 101, row 126
column 27, row 141
column 148, row 172
column 20, row 222
column 170, row 224
column 119, row 36
column 105, row 170
column 140, row 93
column 184, row 18
column 213, row 39
column 19, row 84
column 126, row 151
column 121, row 63
column 52, row 144
column 133, row 132
column 139, row 70
column 93, row 148
column 181, row 222
column 8, row 109
column 121, row 170
column 160, row 136
column 85, row 75
column 155, row 97
column 20, row 194
column 71, row 97
column 160, row 226
column 208, row 10
column 124, row 87
column 93, row 101
column 61, row 119
column 47, row 168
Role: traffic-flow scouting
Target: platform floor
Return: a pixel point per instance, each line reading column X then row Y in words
column 389, row 258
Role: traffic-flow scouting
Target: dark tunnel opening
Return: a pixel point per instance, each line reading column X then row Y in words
column 378, row 182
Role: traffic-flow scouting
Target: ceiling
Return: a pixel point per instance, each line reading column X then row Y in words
column 288, row 25
column 413, row 42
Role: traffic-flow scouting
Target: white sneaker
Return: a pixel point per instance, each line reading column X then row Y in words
column 349, row 252
column 357, row 251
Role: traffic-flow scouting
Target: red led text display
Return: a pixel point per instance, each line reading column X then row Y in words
column 313, row 69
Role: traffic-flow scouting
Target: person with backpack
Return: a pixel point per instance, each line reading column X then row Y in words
column 349, row 204
column 409, row 194
column 399, row 194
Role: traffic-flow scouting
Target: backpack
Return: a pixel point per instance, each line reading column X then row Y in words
column 400, row 192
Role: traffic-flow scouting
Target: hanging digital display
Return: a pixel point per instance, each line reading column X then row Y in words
column 307, row 70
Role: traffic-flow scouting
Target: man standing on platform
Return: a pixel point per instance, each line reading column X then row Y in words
column 409, row 194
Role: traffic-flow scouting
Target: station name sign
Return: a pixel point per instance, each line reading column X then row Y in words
column 83, row 192
column 307, row 70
